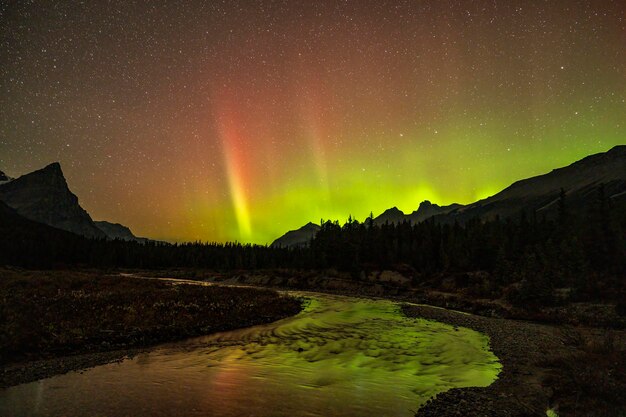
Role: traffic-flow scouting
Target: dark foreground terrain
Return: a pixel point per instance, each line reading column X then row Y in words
column 54, row 322
column 97, row 318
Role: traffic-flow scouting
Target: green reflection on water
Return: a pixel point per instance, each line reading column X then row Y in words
column 341, row 356
column 335, row 335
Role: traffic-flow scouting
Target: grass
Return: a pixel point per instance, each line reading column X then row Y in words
column 47, row 314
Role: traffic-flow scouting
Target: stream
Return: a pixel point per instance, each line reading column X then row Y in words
column 340, row 356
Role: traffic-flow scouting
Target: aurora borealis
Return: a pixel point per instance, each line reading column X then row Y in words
column 240, row 120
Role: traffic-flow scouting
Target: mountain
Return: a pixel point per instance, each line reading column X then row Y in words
column 295, row 238
column 45, row 197
column 427, row 210
column 540, row 194
column 392, row 215
column 118, row 231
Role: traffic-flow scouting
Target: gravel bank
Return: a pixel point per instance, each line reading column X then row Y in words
column 522, row 348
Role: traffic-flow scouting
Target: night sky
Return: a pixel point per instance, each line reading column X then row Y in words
column 238, row 120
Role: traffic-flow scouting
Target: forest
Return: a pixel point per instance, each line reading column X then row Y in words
column 524, row 258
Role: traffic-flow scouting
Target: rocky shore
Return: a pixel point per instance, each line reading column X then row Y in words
column 517, row 391
column 541, row 364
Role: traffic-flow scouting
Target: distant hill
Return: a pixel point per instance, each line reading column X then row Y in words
column 299, row 237
column 540, row 194
column 118, row 231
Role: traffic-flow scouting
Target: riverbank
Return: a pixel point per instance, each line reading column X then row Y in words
column 54, row 322
column 395, row 285
column 576, row 371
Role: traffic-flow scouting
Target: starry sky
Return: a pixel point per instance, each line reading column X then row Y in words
column 240, row 120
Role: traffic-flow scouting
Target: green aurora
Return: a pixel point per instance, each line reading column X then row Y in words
column 240, row 121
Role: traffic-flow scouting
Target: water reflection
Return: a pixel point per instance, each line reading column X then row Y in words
column 341, row 356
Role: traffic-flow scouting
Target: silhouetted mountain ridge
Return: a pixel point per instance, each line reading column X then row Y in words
column 44, row 196
column 118, row 231
column 299, row 237
column 392, row 215
column 427, row 210
column 578, row 180
column 540, row 194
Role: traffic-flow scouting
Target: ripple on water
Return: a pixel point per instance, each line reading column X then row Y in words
column 341, row 356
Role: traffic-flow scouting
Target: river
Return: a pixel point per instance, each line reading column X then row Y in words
column 340, row 356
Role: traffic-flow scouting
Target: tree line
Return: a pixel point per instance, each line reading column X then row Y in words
column 584, row 251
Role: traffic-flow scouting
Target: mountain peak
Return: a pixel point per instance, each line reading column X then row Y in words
column 53, row 168
column 391, row 215
column 297, row 238
column 427, row 209
column 49, row 176
column 393, row 210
